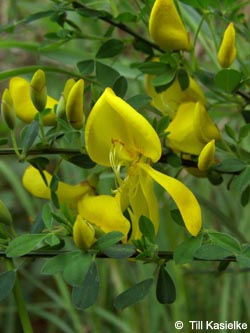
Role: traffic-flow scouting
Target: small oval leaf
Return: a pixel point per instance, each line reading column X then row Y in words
column 133, row 295
column 165, row 289
column 7, row 280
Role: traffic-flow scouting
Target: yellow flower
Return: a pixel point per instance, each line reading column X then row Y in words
column 206, row 157
column 8, row 110
column 169, row 100
column 25, row 110
column 61, row 107
column 66, row 193
column 103, row 212
column 74, row 105
column 166, row 27
column 117, row 135
column 191, row 129
column 227, row 51
column 38, row 90
column 83, row 233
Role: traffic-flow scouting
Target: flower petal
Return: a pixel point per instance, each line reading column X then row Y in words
column 203, row 125
column 206, row 157
column 66, row 193
column 111, row 121
column 191, row 129
column 25, row 110
column 227, row 51
column 166, row 27
column 83, row 233
column 104, row 212
column 183, row 197
column 170, row 99
column 138, row 192
column 182, row 134
column 74, row 105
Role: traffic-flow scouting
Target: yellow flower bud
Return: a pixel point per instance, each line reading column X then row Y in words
column 38, row 90
column 166, row 27
column 74, row 105
column 8, row 110
column 206, row 157
column 5, row 216
column 25, row 109
column 227, row 51
column 83, row 233
column 61, row 106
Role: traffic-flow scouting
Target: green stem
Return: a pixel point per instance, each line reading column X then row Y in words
column 13, row 139
column 21, row 306
column 43, row 137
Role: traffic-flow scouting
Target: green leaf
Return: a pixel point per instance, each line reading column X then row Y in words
column 76, row 270
column 39, row 163
column 7, row 281
column 109, row 239
column 86, row 66
column 243, row 258
column 244, row 132
column 163, row 124
column 183, row 79
column 54, row 199
column 82, row 161
column 126, row 17
column 106, row 75
column 54, row 183
column 3, row 141
column 38, row 16
column 176, row 216
column 120, row 86
column 141, row 46
column 153, row 67
column 110, row 48
column 24, row 244
column 52, row 240
column 184, row 253
column 225, row 241
column 88, row 12
column 165, row 289
column 175, row 161
column 120, row 251
column 139, row 100
column 164, row 78
column 230, row 165
column 228, row 79
column 230, row 132
column 214, row 177
column 245, row 197
column 147, row 228
column 134, row 294
column 86, row 295
column 212, row 252
column 242, row 180
column 58, row 263
column 29, row 135
column 47, row 215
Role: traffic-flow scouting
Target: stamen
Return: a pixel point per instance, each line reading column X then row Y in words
column 115, row 159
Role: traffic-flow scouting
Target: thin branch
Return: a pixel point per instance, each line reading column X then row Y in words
column 42, row 151
column 109, row 19
column 168, row 255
